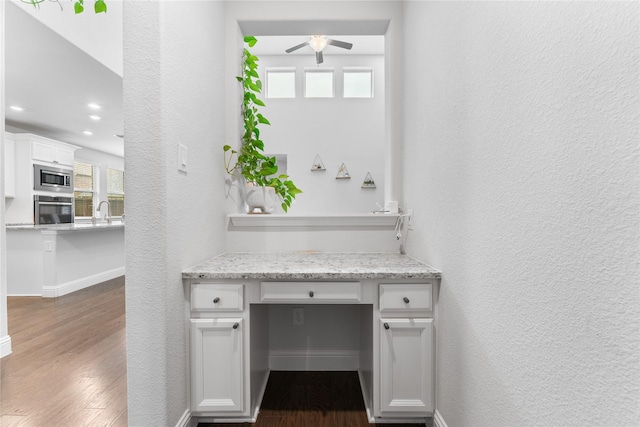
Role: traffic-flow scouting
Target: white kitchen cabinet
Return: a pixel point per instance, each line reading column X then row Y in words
column 9, row 166
column 406, row 366
column 217, row 366
column 53, row 152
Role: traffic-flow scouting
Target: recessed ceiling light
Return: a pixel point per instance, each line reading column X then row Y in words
column 16, row 108
column 93, row 106
column 87, row 132
column 94, row 117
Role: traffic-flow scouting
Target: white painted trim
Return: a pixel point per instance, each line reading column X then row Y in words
column 366, row 400
column 85, row 282
column 314, row 360
column 5, row 346
column 438, row 421
column 185, row 420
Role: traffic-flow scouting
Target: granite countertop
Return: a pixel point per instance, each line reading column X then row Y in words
column 78, row 226
column 311, row 266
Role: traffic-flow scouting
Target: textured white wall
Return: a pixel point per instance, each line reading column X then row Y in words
column 521, row 163
column 5, row 343
column 173, row 87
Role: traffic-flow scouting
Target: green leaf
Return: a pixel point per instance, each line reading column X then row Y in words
column 266, row 171
column 259, row 102
column 100, row 6
column 239, row 78
column 250, row 40
column 77, row 7
column 263, row 120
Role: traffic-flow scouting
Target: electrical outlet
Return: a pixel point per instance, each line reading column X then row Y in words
column 48, row 246
column 298, row 316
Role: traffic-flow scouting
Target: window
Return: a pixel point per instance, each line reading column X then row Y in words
column 281, row 82
column 318, row 83
column 83, row 182
column 358, row 83
column 115, row 191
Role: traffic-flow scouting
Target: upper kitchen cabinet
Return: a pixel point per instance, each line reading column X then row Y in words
column 51, row 152
column 9, row 166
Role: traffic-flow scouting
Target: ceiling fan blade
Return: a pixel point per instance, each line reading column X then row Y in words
column 291, row 49
column 338, row 43
column 319, row 58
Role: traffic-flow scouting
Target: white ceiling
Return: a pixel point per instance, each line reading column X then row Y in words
column 54, row 80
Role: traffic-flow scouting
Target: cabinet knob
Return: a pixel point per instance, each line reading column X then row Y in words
column 216, row 300
column 235, row 325
column 406, row 300
column 386, row 325
column 311, row 294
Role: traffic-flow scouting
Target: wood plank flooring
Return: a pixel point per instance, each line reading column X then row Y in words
column 312, row 399
column 68, row 365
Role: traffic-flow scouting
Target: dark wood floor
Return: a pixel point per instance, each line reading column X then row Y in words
column 68, row 366
column 312, row 399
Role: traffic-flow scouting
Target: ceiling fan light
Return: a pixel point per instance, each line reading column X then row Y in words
column 318, row 43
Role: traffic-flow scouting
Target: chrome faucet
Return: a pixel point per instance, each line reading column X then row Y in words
column 108, row 218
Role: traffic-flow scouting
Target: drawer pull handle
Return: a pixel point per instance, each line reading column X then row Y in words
column 235, row 325
column 216, row 300
column 406, row 300
column 386, row 325
column 311, row 294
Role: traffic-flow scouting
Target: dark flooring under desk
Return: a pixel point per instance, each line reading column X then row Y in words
column 312, row 399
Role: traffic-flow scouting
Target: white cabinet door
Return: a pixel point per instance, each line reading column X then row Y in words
column 51, row 154
column 406, row 366
column 217, row 381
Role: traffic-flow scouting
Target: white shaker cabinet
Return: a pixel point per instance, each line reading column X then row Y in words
column 406, row 366
column 53, row 152
column 217, row 365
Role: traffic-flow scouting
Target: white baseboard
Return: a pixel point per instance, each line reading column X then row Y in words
column 85, row 282
column 185, row 420
column 314, row 360
column 5, row 346
column 438, row 421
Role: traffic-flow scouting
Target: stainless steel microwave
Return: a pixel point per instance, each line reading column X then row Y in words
column 47, row 178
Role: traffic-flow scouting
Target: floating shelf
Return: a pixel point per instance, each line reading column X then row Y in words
column 317, row 164
column 368, row 182
column 343, row 173
column 354, row 221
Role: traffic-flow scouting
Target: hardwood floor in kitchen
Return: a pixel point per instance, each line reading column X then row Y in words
column 68, row 366
column 313, row 399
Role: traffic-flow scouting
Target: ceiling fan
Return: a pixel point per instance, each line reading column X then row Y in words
column 318, row 43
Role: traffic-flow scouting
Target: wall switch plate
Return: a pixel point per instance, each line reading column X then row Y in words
column 183, row 156
column 298, row 316
column 48, row 246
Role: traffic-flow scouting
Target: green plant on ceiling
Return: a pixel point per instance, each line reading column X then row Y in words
column 257, row 168
column 99, row 6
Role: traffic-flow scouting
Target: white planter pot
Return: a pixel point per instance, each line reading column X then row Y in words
column 260, row 199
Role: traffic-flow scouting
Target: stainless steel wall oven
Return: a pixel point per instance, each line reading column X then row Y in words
column 53, row 210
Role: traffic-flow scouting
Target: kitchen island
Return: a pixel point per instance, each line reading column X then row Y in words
column 55, row 259
column 251, row 313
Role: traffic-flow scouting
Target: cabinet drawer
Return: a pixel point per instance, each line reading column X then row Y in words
column 399, row 297
column 214, row 297
column 311, row 292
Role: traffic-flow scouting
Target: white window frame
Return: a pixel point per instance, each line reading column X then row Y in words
column 284, row 70
column 331, row 71
column 355, row 70
column 94, row 191
column 107, row 184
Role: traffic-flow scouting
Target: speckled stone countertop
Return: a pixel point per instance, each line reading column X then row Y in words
column 67, row 227
column 311, row 266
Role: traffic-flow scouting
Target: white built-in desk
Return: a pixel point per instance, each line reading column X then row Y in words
column 374, row 313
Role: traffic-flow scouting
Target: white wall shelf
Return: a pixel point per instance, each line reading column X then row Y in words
column 353, row 221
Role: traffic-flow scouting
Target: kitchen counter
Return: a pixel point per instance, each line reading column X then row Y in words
column 311, row 266
column 78, row 226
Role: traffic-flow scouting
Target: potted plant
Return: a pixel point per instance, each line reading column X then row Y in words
column 257, row 169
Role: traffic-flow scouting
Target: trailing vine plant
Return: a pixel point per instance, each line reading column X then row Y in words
column 251, row 162
column 99, row 6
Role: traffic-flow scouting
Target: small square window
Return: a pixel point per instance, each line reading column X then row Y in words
column 318, row 83
column 281, row 83
column 358, row 83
